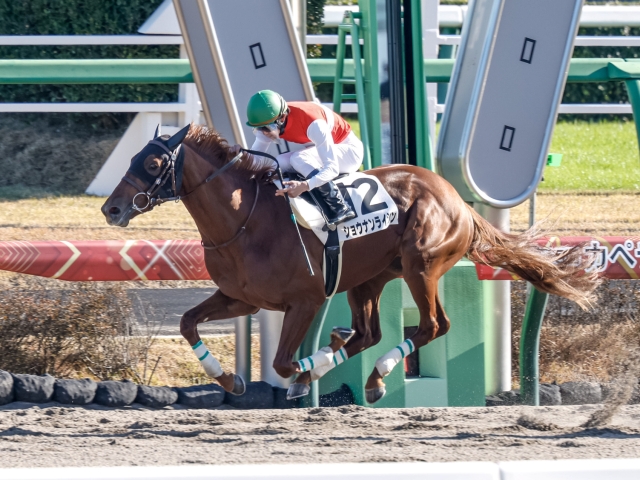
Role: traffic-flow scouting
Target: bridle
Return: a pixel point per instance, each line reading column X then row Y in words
column 168, row 171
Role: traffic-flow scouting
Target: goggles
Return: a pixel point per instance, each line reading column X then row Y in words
column 272, row 127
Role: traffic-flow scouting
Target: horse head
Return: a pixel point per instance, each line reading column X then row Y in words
column 154, row 176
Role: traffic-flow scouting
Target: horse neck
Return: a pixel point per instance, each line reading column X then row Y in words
column 220, row 207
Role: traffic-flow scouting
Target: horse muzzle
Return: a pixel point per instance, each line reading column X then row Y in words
column 116, row 216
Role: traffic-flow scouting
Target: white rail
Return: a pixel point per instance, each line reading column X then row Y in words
column 91, row 40
column 619, row 469
column 177, row 107
column 452, row 16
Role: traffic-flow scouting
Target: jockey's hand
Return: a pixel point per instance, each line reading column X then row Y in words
column 235, row 150
column 293, row 188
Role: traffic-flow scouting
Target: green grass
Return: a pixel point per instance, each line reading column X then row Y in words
column 596, row 156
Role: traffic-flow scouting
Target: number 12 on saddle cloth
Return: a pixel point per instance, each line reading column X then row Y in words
column 375, row 210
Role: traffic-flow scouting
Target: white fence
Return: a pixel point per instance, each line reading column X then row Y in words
column 618, row 469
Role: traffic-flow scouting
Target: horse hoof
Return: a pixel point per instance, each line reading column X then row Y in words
column 297, row 390
column 239, row 387
column 343, row 333
column 374, row 394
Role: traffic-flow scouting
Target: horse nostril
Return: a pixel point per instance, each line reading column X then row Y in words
column 114, row 211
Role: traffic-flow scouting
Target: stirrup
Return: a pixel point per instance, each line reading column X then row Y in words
column 346, row 216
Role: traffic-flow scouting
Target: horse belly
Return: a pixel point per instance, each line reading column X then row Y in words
column 364, row 258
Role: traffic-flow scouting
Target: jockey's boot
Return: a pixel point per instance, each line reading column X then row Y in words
column 340, row 210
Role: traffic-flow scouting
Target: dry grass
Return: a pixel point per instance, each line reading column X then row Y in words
column 178, row 367
column 577, row 345
column 79, row 218
column 583, row 213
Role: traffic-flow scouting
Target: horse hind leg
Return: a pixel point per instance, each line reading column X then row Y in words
column 433, row 323
column 321, row 362
column 364, row 301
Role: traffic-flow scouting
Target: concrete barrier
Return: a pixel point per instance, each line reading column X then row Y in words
column 620, row 469
column 350, row 471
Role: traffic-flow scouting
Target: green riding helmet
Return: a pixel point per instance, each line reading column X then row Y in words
column 264, row 108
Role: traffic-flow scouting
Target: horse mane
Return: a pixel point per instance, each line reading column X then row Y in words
column 212, row 146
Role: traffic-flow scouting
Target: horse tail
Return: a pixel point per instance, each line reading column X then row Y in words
column 557, row 272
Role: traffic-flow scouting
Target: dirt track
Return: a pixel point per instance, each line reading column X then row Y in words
column 52, row 436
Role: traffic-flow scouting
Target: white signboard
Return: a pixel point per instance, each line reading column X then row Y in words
column 237, row 48
column 504, row 95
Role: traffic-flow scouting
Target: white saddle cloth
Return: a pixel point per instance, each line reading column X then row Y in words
column 375, row 210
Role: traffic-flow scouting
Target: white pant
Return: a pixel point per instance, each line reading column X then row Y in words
column 350, row 153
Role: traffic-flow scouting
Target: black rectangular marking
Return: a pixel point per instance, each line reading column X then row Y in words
column 284, row 149
column 257, row 55
column 507, row 138
column 527, row 50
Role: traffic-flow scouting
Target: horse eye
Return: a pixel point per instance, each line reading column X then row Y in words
column 153, row 166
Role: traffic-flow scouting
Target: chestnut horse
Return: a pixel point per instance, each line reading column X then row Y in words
column 253, row 255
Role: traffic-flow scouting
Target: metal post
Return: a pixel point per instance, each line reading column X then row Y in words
column 418, row 135
column 532, row 210
column 243, row 347
column 310, row 345
column 497, row 316
column 397, row 108
column 530, row 346
column 633, row 89
column 270, row 328
column 299, row 17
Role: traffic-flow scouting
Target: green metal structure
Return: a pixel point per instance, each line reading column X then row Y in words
column 451, row 369
column 351, row 27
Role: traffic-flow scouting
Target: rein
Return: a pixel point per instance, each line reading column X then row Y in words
column 242, row 229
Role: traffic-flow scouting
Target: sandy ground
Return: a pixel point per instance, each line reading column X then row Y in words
column 54, row 436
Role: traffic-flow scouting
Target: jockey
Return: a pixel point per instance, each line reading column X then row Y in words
column 335, row 149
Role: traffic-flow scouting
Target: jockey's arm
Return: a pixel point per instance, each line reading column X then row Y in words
column 320, row 134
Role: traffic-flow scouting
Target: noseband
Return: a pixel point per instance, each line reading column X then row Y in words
column 169, row 172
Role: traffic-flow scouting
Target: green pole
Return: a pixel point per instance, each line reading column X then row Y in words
column 340, row 55
column 422, row 147
column 530, row 347
column 369, row 33
column 633, row 89
column 448, row 52
column 309, row 346
column 360, row 98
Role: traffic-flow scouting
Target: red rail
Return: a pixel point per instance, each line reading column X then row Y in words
column 103, row 260
column 106, row 260
column 616, row 257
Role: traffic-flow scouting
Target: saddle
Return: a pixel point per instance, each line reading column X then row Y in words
column 375, row 211
column 332, row 264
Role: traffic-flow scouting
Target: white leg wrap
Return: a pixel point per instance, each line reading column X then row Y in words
column 338, row 357
column 321, row 358
column 209, row 363
column 389, row 360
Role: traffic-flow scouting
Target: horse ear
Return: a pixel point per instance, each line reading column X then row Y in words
column 157, row 134
column 178, row 138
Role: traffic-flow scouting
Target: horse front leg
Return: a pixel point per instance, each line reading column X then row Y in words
column 216, row 307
